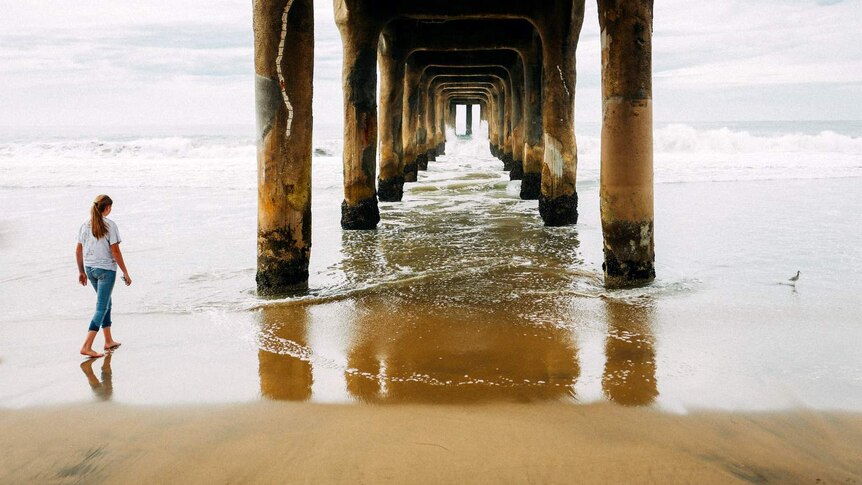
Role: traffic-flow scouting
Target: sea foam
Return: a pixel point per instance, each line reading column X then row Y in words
column 682, row 153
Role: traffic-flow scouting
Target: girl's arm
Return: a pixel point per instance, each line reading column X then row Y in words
column 118, row 257
column 79, row 257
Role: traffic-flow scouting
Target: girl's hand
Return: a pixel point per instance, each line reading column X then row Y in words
column 127, row 279
column 82, row 278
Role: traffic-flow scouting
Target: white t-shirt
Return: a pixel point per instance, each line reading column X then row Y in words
column 97, row 252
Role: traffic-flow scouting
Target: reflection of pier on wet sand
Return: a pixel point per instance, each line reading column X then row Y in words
column 410, row 352
column 354, row 349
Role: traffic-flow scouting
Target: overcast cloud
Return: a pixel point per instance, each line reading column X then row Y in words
column 102, row 62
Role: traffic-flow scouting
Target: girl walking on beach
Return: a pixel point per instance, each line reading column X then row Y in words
column 98, row 255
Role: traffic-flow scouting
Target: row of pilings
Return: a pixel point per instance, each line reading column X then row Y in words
column 515, row 59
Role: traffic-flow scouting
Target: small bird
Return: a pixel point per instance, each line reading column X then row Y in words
column 795, row 278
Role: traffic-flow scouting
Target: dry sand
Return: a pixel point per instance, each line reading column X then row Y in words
column 271, row 442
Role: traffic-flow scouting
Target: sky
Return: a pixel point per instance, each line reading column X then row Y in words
column 190, row 62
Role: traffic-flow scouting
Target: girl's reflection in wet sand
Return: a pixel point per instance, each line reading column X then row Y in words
column 103, row 389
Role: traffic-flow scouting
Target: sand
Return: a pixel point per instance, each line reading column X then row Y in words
column 278, row 442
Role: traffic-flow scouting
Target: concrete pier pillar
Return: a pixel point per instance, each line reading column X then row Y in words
column 390, row 181
column 531, row 184
column 430, row 122
column 440, row 139
column 469, row 120
column 284, row 66
column 359, row 38
column 492, row 126
column 410, row 120
column 500, row 122
column 421, row 133
column 626, row 147
column 558, row 202
column 517, row 84
column 506, row 144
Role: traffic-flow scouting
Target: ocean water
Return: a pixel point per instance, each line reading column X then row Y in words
column 462, row 294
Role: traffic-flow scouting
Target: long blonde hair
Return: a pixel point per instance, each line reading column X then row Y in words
column 97, row 222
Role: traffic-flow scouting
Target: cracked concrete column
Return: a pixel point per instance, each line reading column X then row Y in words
column 558, row 202
column 626, row 147
column 390, row 181
column 284, row 66
column 531, row 184
column 359, row 37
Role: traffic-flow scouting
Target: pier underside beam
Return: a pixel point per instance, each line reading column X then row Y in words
column 447, row 89
column 492, row 88
column 500, row 78
column 496, row 82
column 449, row 92
column 514, row 60
column 626, row 149
column 453, row 36
column 284, row 65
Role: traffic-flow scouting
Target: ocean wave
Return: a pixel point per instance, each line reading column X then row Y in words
column 164, row 147
column 680, row 138
column 148, row 148
column 674, row 138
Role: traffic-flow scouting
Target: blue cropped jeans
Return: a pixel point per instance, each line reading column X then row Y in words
column 103, row 282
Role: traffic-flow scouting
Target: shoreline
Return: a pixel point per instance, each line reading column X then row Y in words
column 490, row 443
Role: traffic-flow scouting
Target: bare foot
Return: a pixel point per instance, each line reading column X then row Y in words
column 91, row 353
column 112, row 345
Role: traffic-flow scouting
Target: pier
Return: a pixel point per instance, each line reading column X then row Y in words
column 515, row 60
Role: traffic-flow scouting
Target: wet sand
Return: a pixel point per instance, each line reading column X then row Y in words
column 500, row 443
column 150, row 412
column 462, row 342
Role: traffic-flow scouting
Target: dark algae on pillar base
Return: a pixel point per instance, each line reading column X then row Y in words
column 531, row 186
column 390, row 190
column 628, row 262
column 559, row 211
column 364, row 215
